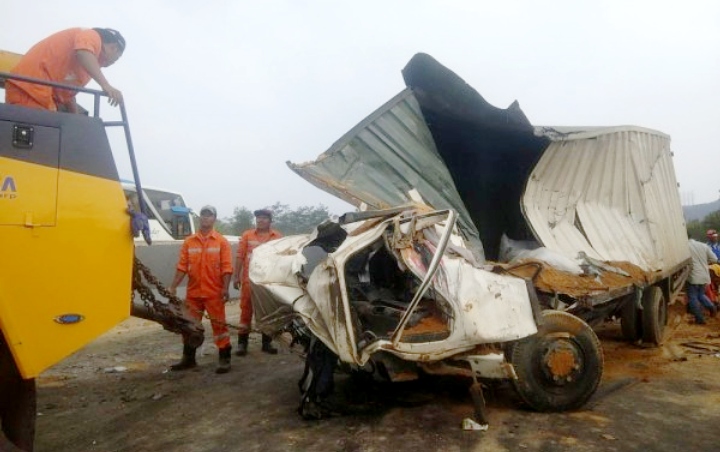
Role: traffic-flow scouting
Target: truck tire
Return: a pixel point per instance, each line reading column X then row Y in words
column 560, row 367
column 654, row 316
column 17, row 404
column 631, row 320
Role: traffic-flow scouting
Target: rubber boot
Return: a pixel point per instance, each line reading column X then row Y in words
column 187, row 361
column 267, row 345
column 242, row 344
column 223, row 366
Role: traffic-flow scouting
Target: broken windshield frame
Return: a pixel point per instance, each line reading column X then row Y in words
column 432, row 269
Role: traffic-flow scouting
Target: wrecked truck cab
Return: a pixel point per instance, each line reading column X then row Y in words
column 400, row 294
column 395, row 283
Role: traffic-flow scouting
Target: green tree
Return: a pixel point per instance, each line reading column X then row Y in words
column 298, row 221
column 241, row 220
column 222, row 226
column 697, row 228
column 711, row 221
column 286, row 220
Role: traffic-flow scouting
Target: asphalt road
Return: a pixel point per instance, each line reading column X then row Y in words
column 115, row 395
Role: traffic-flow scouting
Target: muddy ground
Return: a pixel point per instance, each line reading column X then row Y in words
column 116, row 395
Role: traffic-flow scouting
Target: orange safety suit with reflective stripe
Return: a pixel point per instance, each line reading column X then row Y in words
column 250, row 240
column 205, row 259
column 53, row 59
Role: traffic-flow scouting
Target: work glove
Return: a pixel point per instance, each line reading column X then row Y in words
column 139, row 223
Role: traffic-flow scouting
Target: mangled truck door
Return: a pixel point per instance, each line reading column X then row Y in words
column 439, row 302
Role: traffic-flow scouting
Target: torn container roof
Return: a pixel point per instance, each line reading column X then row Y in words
column 441, row 138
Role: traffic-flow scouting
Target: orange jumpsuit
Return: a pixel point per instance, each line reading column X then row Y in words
column 206, row 259
column 53, row 59
column 248, row 242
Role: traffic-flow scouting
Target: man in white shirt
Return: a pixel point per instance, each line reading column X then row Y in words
column 701, row 255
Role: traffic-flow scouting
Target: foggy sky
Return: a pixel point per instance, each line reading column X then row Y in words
column 221, row 93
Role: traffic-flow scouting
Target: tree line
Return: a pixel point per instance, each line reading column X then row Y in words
column 301, row 220
column 697, row 228
column 304, row 219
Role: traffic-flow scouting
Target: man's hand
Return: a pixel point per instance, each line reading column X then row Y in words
column 114, row 95
column 172, row 290
column 90, row 62
column 226, row 295
column 236, row 284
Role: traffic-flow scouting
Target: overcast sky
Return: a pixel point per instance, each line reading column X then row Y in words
column 220, row 94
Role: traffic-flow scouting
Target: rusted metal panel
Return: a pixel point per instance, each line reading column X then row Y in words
column 386, row 156
column 491, row 366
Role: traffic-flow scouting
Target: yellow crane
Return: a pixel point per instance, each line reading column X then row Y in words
column 66, row 270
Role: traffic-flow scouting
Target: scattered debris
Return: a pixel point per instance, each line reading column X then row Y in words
column 598, row 264
column 470, row 425
column 115, row 369
column 673, row 352
column 702, row 348
column 608, row 437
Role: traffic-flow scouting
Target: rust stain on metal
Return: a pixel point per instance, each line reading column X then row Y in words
column 404, row 376
column 337, row 309
column 509, row 370
column 561, row 362
column 486, row 349
column 552, row 280
column 333, row 184
column 366, row 226
column 429, row 324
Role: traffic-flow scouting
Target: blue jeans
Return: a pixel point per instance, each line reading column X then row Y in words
column 696, row 297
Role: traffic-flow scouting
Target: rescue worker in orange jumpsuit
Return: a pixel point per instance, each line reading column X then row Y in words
column 72, row 57
column 206, row 258
column 248, row 242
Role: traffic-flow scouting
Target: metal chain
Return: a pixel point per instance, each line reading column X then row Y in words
column 173, row 315
column 170, row 315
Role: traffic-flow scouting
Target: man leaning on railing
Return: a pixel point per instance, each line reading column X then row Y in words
column 72, row 57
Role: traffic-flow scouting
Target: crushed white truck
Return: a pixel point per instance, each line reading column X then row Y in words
column 484, row 247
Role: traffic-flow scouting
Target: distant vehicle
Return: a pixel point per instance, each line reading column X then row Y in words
column 170, row 217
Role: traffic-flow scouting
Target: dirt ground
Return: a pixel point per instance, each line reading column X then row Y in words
column 116, row 395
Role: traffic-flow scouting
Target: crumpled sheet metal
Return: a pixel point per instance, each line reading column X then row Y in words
column 486, row 307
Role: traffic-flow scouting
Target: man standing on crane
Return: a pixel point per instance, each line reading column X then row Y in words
column 207, row 260
column 248, row 242
column 72, row 57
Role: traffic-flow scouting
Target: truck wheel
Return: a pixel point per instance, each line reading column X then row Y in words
column 17, row 404
column 654, row 315
column 631, row 320
column 560, row 367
